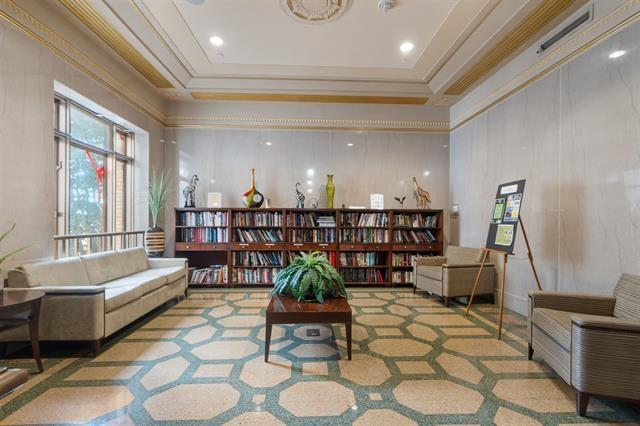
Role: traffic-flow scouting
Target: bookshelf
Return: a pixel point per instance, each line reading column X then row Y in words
column 247, row 247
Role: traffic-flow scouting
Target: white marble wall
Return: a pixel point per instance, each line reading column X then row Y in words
column 575, row 137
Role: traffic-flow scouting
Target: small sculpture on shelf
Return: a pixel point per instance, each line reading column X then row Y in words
column 299, row 197
column 423, row 199
column 252, row 198
column 400, row 200
column 189, row 192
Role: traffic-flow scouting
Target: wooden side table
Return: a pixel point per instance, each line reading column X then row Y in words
column 18, row 308
column 286, row 310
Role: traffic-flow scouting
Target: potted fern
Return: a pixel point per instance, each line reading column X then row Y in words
column 154, row 236
column 310, row 277
column 5, row 257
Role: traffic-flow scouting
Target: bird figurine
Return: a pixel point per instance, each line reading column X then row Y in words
column 400, row 200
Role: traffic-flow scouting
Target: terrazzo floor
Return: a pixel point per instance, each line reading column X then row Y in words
column 201, row 362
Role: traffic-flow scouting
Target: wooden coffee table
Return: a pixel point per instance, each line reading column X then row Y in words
column 286, row 310
column 18, row 308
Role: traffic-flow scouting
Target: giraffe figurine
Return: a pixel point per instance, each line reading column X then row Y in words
column 423, row 199
column 189, row 192
column 299, row 197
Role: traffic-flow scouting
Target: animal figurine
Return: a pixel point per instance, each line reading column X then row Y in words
column 189, row 192
column 423, row 199
column 400, row 200
column 299, row 197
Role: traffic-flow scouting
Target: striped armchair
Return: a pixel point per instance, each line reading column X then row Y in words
column 591, row 341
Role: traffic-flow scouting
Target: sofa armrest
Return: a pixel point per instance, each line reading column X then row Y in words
column 165, row 262
column 63, row 289
column 429, row 261
column 590, row 304
column 465, row 265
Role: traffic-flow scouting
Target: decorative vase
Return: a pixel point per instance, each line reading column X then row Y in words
column 331, row 191
column 154, row 241
column 252, row 198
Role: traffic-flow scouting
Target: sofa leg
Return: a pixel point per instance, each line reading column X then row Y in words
column 446, row 301
column 530, row 355
column 582, row 401
column 95, row 347
column 414, row 289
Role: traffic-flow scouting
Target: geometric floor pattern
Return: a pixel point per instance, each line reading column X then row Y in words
column 201, row 362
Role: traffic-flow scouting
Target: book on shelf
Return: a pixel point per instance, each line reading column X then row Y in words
column 364, row 275
column 311, row 219
column 364, row 235
column 202, row 219
column 403, row 259
column 414, row 236
column 326, row 221
column 402, row 277
column 331, row 255
column 364, row 219
column 254, row 275
column 259, row 235
column 214, row 274
column 313, row 235
column 257, row 258
column 202, row 235
column 257, row 219
column 362, row 259
column 416, row 220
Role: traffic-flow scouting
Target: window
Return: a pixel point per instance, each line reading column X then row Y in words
column 94, row 162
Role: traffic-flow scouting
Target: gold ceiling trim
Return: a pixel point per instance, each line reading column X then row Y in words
column 535, row 21
column 289, row 97
column 86, row 13
column 626, row 22
column 316, row 121
column 309, row 128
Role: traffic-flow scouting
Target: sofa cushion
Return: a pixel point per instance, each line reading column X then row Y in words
column 117, row 296
column 556, row 324
column 147, row 284
column 133, row 259
column 107, row 266
column 433, row 272
column 627, row 295
column 457, row 254
column 63, row 272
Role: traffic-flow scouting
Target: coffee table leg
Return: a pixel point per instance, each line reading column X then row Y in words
column 348, row 326
column 34, row 326
column 267, row 342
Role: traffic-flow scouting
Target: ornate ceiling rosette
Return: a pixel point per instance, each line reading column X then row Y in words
column 315, row 11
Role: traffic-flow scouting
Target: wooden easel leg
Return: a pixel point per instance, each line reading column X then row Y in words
column 502, row 281
column 526, row 241
column 475, row 285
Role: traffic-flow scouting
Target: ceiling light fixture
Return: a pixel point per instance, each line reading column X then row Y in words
column 349, row 144
column 267, row 143
column 385, row 5
column 216, row 41
column 406, row 47
column 617, row 54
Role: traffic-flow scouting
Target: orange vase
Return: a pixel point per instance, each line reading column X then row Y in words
column 252, row 198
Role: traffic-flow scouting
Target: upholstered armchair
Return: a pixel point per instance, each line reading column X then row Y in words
column 453, row 275
column 591, row 341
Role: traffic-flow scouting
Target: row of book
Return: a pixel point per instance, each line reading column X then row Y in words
column 259, row 235
column 254, row 275
column 402, row 259
column 362, row 259
column 401, row 277
column 364, row 219
column 202, row 219
column 257, row 258
column 331, row 255
column 413, row 236
column 364, row 235
column 312, row 235
column 215, row 274
column 364, row 275
column 416, row 220
column 203, row 235
column 257, row 219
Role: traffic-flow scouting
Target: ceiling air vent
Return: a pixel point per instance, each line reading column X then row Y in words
column 586, row 16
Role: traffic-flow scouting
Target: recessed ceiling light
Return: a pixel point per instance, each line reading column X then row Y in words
column 349, row 144
column 427, row 173
column 216, row 41
column 617, row 54
column 406, row 47
column 309, row 182
column 267, row 143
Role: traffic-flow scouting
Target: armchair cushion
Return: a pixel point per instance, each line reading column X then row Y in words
column 430, row 261
column 590, row 304
column 457, row 254
column 627, row 294
column 433, row 272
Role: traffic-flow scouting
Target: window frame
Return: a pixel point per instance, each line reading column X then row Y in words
column 63, row 142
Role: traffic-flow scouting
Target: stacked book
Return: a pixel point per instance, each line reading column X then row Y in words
column 254, row 275
column 364, row 235
column 203, row 235
column 402, row 277
column 313, row 235
column 402, row 259
column 417, row 237
column 202, row 219
column 361, row 259
column 259, row 235
column 416, row 220
column 257, row 258
column 215, row 274
column 326, row 221
column 377, row 220
column 257, row 219
column 363, row 275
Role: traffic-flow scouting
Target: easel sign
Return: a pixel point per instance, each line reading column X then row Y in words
column 505, row 217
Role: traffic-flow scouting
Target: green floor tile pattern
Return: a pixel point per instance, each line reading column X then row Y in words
column 250, row 397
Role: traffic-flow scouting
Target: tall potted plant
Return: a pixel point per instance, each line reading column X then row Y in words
column 310, row 277
column 5, row 257
column 154, row 236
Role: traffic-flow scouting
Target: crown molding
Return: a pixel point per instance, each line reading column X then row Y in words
column 291, row 97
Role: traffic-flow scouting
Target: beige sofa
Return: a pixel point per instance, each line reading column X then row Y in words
column 454, row 274
column 91, row 297
column 591, row 341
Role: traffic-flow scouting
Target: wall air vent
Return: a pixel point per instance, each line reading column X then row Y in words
column 586, row 16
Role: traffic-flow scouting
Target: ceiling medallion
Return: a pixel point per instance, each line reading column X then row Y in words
column 315, row 11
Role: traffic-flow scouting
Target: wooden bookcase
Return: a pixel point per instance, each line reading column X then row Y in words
column 249, row 246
